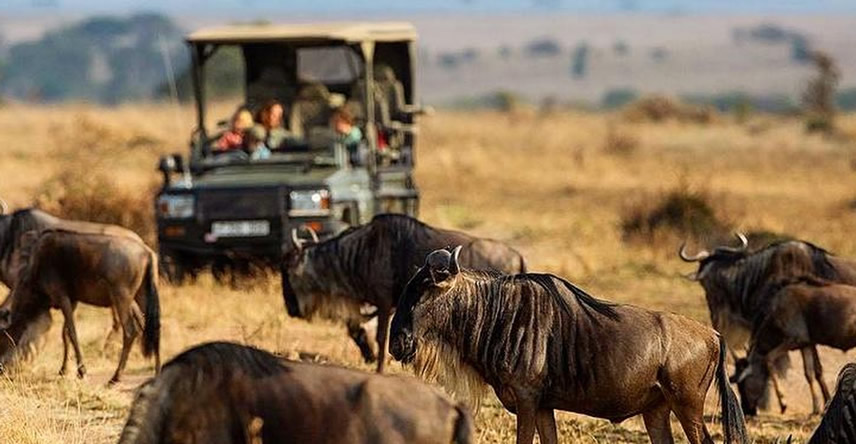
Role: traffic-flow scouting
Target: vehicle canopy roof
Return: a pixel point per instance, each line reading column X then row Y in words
column 349, row 32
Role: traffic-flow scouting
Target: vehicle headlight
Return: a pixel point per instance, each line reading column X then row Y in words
column 309, row 203
column 176, row 206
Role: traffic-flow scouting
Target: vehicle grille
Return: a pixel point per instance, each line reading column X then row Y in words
column 239, row 204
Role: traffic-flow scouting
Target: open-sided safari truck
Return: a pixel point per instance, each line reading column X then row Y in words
column 226, row 210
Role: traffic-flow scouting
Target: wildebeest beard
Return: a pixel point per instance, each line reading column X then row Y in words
column 483, row 325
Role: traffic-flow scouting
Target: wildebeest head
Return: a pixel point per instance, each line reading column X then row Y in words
column 428, row 284
column 751, row 379
column 298, row 276
column 712, row 262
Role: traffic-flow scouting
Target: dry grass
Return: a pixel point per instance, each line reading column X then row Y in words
column 541, row 182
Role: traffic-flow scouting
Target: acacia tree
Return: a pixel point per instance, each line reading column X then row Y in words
column 819, row 96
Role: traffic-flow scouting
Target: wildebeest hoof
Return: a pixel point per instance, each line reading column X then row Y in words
column 62, row 371
column 81, row 371
column 113, row 381
column 784, row 407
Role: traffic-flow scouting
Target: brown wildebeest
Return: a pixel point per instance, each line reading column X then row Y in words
column 838, row 425
column 544, row 344
column 224, row 393
column 735, row 282
column 64, row 268
column 14, row 226
column 801, row 313
column 370, row 265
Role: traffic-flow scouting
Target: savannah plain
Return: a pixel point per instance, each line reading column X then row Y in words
column 557, row 186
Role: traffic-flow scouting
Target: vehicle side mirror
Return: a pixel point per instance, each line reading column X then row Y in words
column 170, row 164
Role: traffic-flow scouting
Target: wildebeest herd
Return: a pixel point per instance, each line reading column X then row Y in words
column 462, row 311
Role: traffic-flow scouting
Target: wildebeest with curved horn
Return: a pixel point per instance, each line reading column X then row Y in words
column 544, row 344
column 838, row 425
column 63, row 268
column 735, row 279
column 371, row 264
column 801, row 313
column 227, row 393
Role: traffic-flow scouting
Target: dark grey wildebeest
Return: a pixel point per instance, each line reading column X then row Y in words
column 223, row 393
column 543, row 344
column 370, row 265
column 63, row 268
column 801, row 313
column 838, row 425
column 735, row 283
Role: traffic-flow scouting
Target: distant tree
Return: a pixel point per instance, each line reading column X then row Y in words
column 659, row 54
column 469, row 55
column 621, row 48
column 801, row 50
column 819, row 96
column 543, row 47
column 769, row 33
column 579, row 61
column 616, row 98
column 504, row 52
column 448, row 60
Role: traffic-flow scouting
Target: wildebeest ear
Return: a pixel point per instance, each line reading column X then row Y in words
column 454, row 268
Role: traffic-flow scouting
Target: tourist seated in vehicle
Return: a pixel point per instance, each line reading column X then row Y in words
column 342, row 123
column 269, row 118
column 234, row 138
column 254, row 144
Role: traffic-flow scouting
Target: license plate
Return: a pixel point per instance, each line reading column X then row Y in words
column 241, row 228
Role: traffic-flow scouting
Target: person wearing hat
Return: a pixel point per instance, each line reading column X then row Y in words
column 254, row 143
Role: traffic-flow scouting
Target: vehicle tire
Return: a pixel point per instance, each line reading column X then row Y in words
column 172, row 268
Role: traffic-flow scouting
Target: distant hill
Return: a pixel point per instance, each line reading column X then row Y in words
column 106, row 59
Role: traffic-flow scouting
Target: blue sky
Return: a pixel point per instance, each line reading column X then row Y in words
column 333, row 6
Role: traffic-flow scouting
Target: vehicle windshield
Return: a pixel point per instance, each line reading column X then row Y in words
column 297, row 104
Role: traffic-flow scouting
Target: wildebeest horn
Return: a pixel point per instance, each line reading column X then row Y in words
column 314, row 235
column 298, row 242
column 700, row 256
column 4, row 207
column 744, row 245
column 454, row 268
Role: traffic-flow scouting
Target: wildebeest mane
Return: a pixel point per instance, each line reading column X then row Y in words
column 587, row 301
column 226, row 357
column 839, row 421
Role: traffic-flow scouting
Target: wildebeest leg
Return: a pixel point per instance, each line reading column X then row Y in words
column 818, row 374
column 808, row 370
column 525, row 421
column 382, row 334
column 114, row 330
column 361, row 338
column 657, row 424
column 67, row 309
column 545, row 422
column 129, row 333
column 691, row 417
column 64, row 366
column 770, row 359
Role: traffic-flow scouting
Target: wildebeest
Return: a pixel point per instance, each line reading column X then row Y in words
column 735, row 282
column 838, row 425
column 370, row 265
column 801, row 313
column 734, row 279
column 543, row 344
column 63, row 268
column 224, row 393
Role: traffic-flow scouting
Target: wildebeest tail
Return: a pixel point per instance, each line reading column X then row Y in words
column 733, row 424
column 839, row 420
column 151, row 331
column 463, row 426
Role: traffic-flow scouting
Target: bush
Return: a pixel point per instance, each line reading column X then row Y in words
column 619, row 142
column 660, row 108
column 680, row 213
column 543, row 47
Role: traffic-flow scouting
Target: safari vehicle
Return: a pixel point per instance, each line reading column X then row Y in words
column 226, row 210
